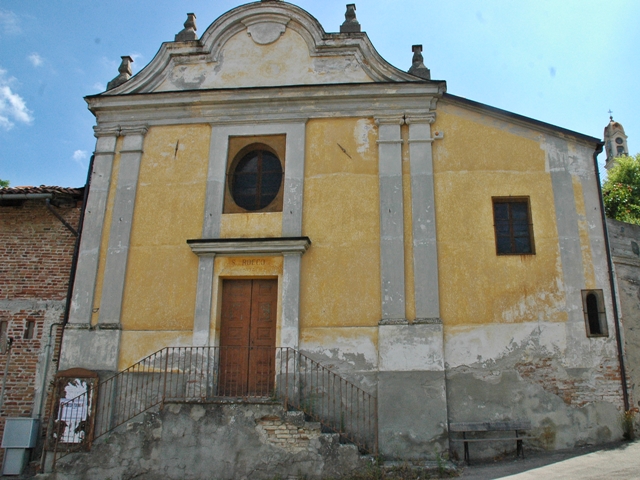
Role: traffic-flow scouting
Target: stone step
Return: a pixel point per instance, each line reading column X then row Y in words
column 431, row 468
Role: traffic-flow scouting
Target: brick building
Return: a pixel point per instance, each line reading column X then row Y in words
column 38, row 231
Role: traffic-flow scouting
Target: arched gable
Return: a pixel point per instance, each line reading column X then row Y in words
column 263, row 44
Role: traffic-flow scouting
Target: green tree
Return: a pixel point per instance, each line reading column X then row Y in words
column 621, row 190
column 4, row 183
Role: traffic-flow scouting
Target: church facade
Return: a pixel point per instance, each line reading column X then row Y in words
column 445, row 256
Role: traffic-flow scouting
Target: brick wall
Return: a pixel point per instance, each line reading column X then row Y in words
column 36, row 252
column 625, row 249
column 290, row 433
column 602, row 384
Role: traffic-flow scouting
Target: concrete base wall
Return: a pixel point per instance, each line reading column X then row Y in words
column 90, row 349
column 412, row 415
column 504, row 395
column 221, row 441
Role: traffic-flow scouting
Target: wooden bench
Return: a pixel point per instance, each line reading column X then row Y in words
column 480, row 427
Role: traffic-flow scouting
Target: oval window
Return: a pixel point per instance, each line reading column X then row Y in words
column 256, row 180
column 619, row 141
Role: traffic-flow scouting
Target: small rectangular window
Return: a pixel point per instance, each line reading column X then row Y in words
column 513, row 228
column 594, row 315
column 29, row 329
column 4, row 326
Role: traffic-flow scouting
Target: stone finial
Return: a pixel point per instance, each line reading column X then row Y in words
column 189, row 32
column 351, row 24
column 125, row 73
column 417, row 65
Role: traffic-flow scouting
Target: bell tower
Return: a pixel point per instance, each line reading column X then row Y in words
column 615, row 141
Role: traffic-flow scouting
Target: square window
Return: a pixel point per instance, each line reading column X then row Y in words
column 512, row 224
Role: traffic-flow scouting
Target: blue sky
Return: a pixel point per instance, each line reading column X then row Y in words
column 563, row 62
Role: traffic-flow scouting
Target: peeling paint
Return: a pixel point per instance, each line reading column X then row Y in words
column 286, row 61
column 362, row 133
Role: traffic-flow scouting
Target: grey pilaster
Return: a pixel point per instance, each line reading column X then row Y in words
column 290, row 330
column 559, row 160
column 121, row 222
column 391, row 218
column 82, row 346
column 89, row 253
column 216, row 174
column 425, row 250
column 202, row 318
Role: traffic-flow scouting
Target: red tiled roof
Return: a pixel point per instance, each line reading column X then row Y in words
column 74, row 192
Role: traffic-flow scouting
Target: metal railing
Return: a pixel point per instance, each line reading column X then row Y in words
column 214, row 374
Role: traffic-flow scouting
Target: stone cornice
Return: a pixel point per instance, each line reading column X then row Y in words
column 250, row 246
column 389, row 119
column 99, row 131
column 268, row 104
column 134, row 130
column 417, row 118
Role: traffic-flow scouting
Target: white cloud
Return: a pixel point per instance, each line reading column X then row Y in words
column 79, row 156
column 12, row 106
column 9, row 24
column 35, row 59
column 100, row 87
column 110, row 63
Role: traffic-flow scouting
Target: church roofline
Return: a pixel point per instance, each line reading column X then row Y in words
column 498, row 112
column 441, row 88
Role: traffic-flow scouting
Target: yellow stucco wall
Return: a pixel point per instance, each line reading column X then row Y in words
column 480, row 158
column 248, row 225
column 137, row 344
column 340, row 277
column 162, row 270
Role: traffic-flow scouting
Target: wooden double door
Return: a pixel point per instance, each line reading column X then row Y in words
column 248, row 337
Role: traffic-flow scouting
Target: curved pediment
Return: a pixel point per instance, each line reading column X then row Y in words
column 263, row 44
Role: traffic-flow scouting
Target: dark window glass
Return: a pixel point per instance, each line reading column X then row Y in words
column 3, row 336
column 593, row 315
column 256, row 180
column 512, row 226
column 620, row 149
column 619, row 141
column 28, row 330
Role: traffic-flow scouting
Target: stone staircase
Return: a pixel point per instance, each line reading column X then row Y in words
column 226, row 440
